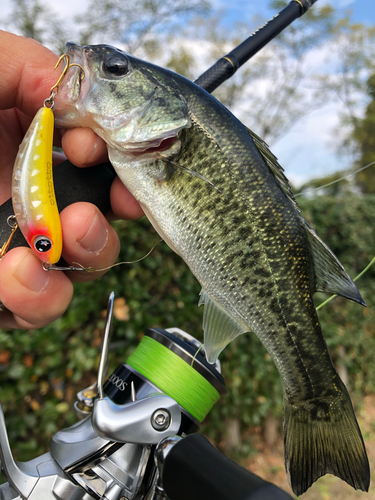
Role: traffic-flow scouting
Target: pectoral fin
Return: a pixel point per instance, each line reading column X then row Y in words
column 330, row 275
column 219, row 328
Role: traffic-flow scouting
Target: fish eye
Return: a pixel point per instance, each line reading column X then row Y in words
column 116, row 65
column 42, row 244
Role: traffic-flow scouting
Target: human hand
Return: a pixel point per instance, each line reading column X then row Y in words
column 32, row 296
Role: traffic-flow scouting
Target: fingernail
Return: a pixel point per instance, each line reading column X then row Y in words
column 96, row 237
column 31, row 275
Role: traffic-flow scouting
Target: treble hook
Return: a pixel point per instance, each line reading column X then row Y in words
column 12, row 223
column 64, row 71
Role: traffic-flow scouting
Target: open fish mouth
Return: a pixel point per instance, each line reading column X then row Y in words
column 72, row 82
column 152, row 147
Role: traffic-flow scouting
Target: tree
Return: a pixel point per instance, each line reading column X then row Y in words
column 364, row 136
column 135, row 25
column 34, row 19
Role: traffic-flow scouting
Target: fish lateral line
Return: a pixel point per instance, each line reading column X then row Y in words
column 192, row 172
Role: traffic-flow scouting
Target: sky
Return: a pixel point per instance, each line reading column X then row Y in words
column 362, row 10
column 309, row 149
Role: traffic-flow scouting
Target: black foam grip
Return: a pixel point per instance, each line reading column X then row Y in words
column 194, row 469
column 71, row 184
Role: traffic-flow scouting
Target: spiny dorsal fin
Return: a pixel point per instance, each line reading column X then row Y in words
column 219, row 328
column 330, row 275
column 276, row 169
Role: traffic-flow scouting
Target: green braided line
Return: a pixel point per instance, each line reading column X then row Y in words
column 174, row 376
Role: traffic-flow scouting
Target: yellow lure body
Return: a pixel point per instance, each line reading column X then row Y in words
column 33, row 192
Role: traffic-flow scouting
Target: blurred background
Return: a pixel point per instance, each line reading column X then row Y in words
column 311, row 95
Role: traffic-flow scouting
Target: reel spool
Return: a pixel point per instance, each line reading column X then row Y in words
column 167, row 361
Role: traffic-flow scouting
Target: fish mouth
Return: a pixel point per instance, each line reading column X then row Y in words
column 73, row 88
column 88, row 98
column 153, row 147
column 76, row 70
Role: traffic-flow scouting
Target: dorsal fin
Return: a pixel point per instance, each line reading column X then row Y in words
column 275, row 167
column 330, row 275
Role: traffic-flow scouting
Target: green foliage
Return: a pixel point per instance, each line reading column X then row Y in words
column 347, row 225
column 43, row 369
column 364, row 137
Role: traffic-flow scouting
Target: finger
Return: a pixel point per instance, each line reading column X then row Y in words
column 83, row 147
column 89, row 240
column 26, row 69
column 123, row 203
column 58, row 158
column 34, row 296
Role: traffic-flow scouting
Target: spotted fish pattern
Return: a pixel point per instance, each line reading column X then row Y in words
column 217, row 195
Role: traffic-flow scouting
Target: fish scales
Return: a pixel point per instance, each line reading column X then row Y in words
column 216, row 194
column 241, row 256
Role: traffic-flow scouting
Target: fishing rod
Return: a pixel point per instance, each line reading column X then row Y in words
column 93, row 184
column 226, row 66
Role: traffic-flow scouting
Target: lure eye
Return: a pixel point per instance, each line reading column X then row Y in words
column 42, row 244
column 116, row 65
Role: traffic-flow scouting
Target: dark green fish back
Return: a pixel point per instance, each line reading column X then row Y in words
column 243, row 237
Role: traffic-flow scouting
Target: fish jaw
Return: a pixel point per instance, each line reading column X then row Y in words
column 68, row 103
column 131, row 110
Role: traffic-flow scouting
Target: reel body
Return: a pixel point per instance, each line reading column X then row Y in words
column 164, row 389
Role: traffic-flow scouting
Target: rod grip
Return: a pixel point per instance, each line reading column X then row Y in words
column 194, row 469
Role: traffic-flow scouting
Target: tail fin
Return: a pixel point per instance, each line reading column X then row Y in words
column 322, row 436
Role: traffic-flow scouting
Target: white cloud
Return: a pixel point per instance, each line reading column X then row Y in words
column 308, row 150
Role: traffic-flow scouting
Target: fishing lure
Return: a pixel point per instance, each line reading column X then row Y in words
column 33, row 193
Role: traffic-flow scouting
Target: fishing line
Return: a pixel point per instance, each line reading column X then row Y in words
column 196, row 354
column 79, row 267
column 337, row 180
column 330, row 184
column 160, row 365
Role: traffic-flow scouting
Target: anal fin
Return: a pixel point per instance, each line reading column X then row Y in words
column 330, row 275
column 219, row 328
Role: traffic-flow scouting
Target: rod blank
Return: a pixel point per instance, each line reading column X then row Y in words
column 227, row 65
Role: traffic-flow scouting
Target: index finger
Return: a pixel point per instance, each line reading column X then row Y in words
column 26, row 69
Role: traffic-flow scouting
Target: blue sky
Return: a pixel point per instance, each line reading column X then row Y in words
column 362, row 10
column 308, row 149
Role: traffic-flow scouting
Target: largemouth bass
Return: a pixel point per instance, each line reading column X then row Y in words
column 219, row 198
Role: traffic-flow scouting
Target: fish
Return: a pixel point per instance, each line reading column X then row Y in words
column 33, row 192
column 219, row 198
